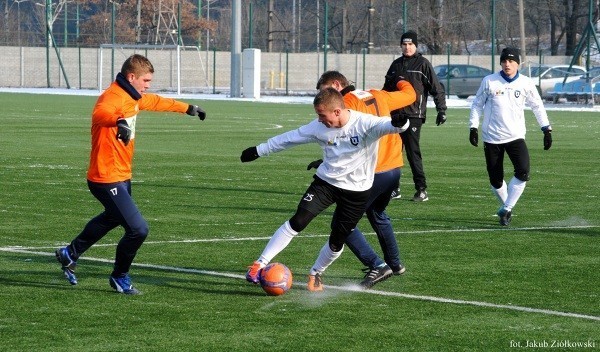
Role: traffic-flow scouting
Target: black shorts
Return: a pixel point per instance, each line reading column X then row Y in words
column 517, row 153
column 350, row 206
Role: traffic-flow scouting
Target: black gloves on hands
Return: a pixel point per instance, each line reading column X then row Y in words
column 249, row 154
column 314, row 164
column 195, row 110
column 441, row 118
column 399, row 120
column 547, row 138
column 474, row 136
column 123, row 131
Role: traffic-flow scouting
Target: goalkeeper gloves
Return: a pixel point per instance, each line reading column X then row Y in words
column 547, row 137
column 123, row 131
column 441, row 118
column 195, row 110
column 474, row 136
column 249, row 154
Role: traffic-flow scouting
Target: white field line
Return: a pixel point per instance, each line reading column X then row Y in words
column 303, row 235
column 349, row 288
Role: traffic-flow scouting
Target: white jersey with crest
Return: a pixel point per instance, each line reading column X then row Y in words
column 502, row 105
column 349, row 152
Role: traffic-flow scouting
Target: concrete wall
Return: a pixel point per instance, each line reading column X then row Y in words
column 295, row 73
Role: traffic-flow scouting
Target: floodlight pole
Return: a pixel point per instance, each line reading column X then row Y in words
column 404, row 16
column 325, row 36
column 48, row 34
column 112, row 40
column 522, row 30
column 493, row 31
column 236, row 49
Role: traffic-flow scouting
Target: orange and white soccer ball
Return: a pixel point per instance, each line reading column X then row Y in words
column 275, row 279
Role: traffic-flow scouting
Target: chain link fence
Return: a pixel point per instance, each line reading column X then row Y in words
column 206, row 71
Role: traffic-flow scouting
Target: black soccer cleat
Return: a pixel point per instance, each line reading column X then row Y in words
column 505, row 216
column 420, row 196
column 376, row 275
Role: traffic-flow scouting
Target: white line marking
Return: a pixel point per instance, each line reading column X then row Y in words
column 306, row 235
column 352, row 288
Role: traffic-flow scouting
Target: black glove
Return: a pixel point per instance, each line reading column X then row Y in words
column 195, row 110
column 441, row 118
column 474, row 136
column 249, row 154
column 399, row 120
column 314, row 164
column 123, row 131
column 547, row 138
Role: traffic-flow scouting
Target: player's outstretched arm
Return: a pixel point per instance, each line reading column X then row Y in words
column 404, row 96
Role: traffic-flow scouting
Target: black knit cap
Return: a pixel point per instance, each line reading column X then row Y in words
column 409, row 37
column 512, row 54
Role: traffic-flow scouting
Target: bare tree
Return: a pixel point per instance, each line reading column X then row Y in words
column 154, row 16
column 554, row 26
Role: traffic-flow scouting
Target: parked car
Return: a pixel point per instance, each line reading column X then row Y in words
column 593, row 74
column 584, row 89
column 546, row 77
column 464, row 79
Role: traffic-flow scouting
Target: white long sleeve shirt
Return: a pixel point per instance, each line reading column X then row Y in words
column 349, row 152
column 502, row 105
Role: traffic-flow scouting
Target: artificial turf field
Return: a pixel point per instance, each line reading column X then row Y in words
column 470, row 285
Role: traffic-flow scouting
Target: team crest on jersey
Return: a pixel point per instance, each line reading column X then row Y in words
column 517, row 93
column 354, row 140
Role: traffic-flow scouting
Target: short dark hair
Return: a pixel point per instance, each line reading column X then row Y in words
column 329, row 76
column 138, row 65
column 330, row 98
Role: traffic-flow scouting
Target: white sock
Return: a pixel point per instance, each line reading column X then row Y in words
column 326, row 257
column 515, row 189
column 280, row 239
column 500, row 193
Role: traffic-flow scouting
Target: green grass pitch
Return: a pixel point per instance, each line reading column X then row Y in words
column 470, row 284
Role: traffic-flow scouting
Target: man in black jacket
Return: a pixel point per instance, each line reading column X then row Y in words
column 418, row 71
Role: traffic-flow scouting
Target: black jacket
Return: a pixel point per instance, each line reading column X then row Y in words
column 418, row 71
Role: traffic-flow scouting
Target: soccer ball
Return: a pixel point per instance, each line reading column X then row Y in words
column 275, row 279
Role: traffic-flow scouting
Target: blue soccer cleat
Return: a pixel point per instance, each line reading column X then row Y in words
column 67, row 264
column 123, row 285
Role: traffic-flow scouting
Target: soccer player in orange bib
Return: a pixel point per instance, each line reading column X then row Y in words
column 109, row 173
